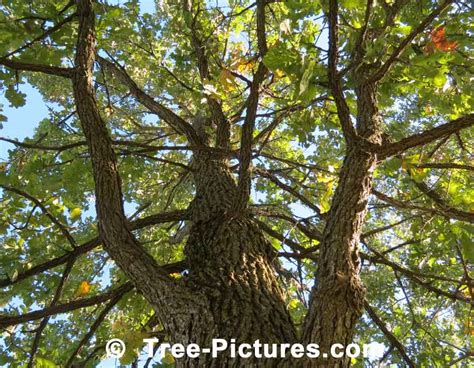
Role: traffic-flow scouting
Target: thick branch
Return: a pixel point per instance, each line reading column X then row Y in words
column 46, row 69
column 445, row 165
column 426, row 137
column 176, row 304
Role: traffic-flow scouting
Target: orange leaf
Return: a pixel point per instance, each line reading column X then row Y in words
column 83, row 289
column 447, row 45
column 438, row 36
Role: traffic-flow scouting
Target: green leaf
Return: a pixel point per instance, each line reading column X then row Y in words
column 44, row 363
column 352, row 4
column 393, row 164
column 4, row 360
column 467, row 247
column 439, row 80
column 418, row 174
column 306, row 78
column 16, row 98
column 283, row 58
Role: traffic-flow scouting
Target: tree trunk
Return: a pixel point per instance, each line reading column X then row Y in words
column 231, row 263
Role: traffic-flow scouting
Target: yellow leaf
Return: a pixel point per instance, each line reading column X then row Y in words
column 466, row 291
column 75, row 213
column 227, row 80
column 293, row 303
column 243, row 65
column 83, row 289
column 279, row 73
column 322, row 178
column 44, row 363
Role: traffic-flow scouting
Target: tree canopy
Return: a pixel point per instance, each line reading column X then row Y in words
column 345, row 130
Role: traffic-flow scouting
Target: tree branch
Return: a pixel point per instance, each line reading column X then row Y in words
column 220, row 120
column 389, row 335
column 448, row 212
column 360, row 47
column 44, row 322
column 343, row 111
column 311, row 233
column 94, row 243
column 301, row 251
column 427, row 136
column 416, row 278
column 445, row 165
column 45, row 211
column 43, row 147
column 6, row 321
column 45, row 34
column 176, row 122
column 287, row 188
column 176, row 304
column 441, row 203
column 246, row 142
column 100, row 318
column 46, row 69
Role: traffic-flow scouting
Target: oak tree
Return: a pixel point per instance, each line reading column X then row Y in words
column 283, row 171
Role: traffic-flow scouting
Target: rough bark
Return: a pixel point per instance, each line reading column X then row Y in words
column 337, row 300
column 231, row 263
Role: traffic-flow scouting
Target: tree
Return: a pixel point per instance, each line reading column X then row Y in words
column 237, row 155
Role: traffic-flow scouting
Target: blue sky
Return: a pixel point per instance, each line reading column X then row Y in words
column 22, row 121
